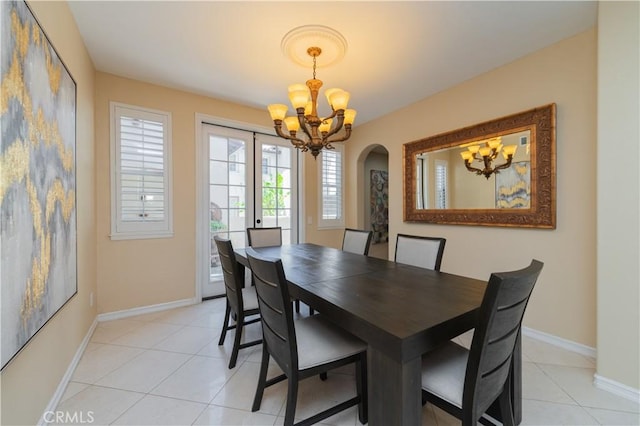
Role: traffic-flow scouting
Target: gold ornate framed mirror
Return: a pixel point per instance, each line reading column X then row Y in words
column 497, row 173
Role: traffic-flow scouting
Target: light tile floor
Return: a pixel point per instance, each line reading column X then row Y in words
column 166, row 368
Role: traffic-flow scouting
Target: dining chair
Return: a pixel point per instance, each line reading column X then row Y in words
column 424, row 252
column 241, row 302
column 466, row 382
column 264, row 237
column 302, row 348
column 356, row 241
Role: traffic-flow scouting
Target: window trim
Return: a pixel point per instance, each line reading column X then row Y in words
column 331, row 223
column 139, row 230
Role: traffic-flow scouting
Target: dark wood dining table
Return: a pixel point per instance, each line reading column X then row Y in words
column 401, row 311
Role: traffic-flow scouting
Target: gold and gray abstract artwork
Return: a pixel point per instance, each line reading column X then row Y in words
column 37, row 179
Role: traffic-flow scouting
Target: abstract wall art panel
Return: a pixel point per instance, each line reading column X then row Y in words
column 379, row 206
column 37, row 179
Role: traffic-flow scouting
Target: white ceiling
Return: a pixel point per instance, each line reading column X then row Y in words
column 398, row 52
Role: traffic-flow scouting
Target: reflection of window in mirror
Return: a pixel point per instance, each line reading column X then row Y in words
column 420, row 183
column 432, row 182
column 441, row 187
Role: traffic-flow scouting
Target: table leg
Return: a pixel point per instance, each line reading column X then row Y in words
column 394, row 390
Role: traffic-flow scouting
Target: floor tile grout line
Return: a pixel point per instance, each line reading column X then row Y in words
column 110, row 371
column 564, row 391
column 558, row 384
column 170, row 374
column 200, row 414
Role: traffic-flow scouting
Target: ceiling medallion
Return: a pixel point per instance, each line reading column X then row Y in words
column 296, row 42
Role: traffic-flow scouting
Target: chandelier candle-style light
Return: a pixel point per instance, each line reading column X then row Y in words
column 318, row 131
column 486, row 155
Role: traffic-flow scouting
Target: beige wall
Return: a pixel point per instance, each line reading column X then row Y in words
column 618, row 189
column 564, row 300
column 135, row 273
column 30, row 380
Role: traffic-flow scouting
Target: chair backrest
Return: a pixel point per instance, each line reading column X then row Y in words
column 356, row 241
column 494, row 339
column 278, row 331
column 264, row 237
column 424, row 252
column 231, row 272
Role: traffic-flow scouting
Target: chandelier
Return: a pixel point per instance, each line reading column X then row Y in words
column 317, row 131
column 486, row 155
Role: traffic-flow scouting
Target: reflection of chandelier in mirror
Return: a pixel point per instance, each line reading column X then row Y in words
column 486, row 154
column 304, row 98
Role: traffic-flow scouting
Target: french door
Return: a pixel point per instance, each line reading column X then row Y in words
column 252, row 182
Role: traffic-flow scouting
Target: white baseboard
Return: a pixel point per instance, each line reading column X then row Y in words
column 616, row 388
column 560, row 342
column 62, row 386
column 600, row 382
column 146, row 309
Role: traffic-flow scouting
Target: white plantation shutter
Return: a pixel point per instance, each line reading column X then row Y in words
column 331, row 193
column 441, row 196
column 141, row 154
column 420, row 195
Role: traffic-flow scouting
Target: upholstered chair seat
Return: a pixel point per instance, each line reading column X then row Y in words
column 250, row 298
column 320, row 342
column 443, row 372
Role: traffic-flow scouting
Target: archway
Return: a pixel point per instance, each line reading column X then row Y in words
column 373, row 211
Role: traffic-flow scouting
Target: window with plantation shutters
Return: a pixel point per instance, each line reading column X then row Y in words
column 331, row 193
column 140, row 173
column 441, row 196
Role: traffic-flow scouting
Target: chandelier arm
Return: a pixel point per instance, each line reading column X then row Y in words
column 472, row 169
column 505, row 165
column 298, row 143
column 303, row 122
column 347, row 135
column 337, row 127
column 333, row 114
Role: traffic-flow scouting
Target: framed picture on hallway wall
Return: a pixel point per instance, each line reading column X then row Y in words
column 379, row 203
column 38, row 271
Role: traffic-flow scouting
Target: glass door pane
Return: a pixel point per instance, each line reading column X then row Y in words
column 276, row 178
column 230, row 189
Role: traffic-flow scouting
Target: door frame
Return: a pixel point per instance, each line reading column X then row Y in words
column 202, row 242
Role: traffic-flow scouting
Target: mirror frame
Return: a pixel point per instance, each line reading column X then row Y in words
column 541, row 122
